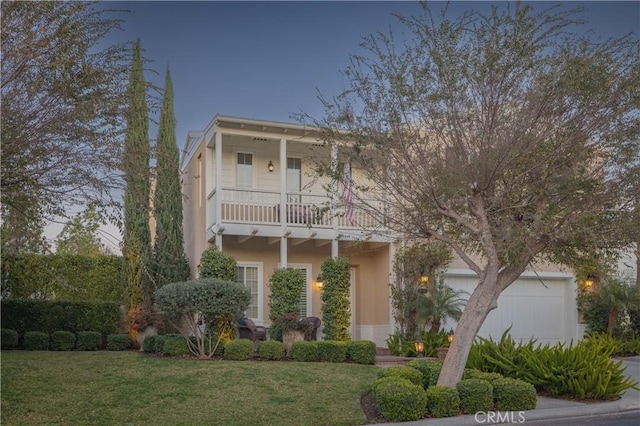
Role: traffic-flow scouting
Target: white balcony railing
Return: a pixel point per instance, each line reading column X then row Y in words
column 302, row 208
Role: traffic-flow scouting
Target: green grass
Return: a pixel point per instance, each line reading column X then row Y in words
column 108, row 388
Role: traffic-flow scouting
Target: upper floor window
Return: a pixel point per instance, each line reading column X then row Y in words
column 244, row 170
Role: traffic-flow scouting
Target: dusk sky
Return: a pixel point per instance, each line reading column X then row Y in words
column 267, row 60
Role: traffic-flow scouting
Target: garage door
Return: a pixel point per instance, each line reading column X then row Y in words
column 540, row 305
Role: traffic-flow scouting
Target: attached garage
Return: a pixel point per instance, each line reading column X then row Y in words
column 540, row 305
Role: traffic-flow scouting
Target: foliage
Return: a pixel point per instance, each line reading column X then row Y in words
column 36, row 341
column 71, row 277
column 170, row 261
column 159, row 342
column 271, row 349
column 80, row 235
column 88, row 341
column 604, row 309
column 136, row 242
column 216, row 264
column 286, row 287
column 22, row 230
column 288, row 322
column 361, row 352
column 471, row 373
column 475, row 395
column 149, row 343
column 409, row 373
column 508, row 135
column 513, row 395
column 62, row 106
column 439, row 303
column 442, row 401
column 118, row 342
column 304, row 351
column 174, row 346
column 399, row 346
column 397, row 399
column 8, row 338
column 410, row 263
column 335, row 298
column 238, row 350
column 47, row 315
column 62, row 340
column 584, row 371
column 195, row 308
column 332, row 351
column 430, row 370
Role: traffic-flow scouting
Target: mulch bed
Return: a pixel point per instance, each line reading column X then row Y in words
column 369, row 408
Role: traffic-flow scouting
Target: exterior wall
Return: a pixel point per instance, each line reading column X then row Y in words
column 194, row 205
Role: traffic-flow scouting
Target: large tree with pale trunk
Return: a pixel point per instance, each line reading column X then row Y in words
column 505, row 135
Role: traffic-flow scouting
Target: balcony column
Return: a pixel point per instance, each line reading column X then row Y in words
column 218, row 197
column 283, row 202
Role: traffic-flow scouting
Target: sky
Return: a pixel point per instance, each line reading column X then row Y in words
column 269, row 60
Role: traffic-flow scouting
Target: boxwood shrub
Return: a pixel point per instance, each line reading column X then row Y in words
column 174, row 346
column 159, row 342
column 332, row 351
column 513, row 395
column 303, row 351
column 271, row 349
column 238, row 350
column 361, row 352
column 411, row 374
column 429, row 368
column 9, row 338
column 471, row 373
column 36, row 341
column 62, row 340
column 88, row 341
column 442, row 401
column 149, row 344
column 398, row 400
column 118, row 342
column 475, row 395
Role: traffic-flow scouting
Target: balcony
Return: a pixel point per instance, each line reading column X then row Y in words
column 250, row 211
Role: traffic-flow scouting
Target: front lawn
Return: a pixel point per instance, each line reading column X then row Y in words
column 133, row 388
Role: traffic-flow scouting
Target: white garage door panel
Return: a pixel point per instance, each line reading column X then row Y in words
column 545, row 312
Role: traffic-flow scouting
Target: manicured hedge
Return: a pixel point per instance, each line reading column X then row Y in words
column 303, row 351
column 332, row 351
column 271, row 349
column 88, row 341
column 9, row 338
column 118, row 342
column 361, row 352
column 36, row 341
column 63, row 341
column 48, row 316
column 65, row 276
column 238, row 350
column 397, row 399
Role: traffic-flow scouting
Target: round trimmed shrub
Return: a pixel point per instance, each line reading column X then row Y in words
column 149, row 344
column 118, row 342
column 397, row 399
column 303, row 351
column 238, row 350
column 429, row 368
column 411, row 374
column 62, row 341
column 361, row 352
column 88, row 341
column 443, row 401
column 36, row 341
column 475, row 395
column 8, row 338
column 514, row 395
column 174, row 346
column 271, row 349
column 332, row 351
column 159, row 342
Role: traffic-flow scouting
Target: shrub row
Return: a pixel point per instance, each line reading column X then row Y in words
column 409, row 392
column 49, row 316
column 61, row 340
column 360, row 351
column 585, row 370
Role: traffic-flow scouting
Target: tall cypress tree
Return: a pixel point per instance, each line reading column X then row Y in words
column 171, row 263
column 137, row 239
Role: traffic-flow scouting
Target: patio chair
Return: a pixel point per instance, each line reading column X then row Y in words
column 312, row 335
column 247, row 329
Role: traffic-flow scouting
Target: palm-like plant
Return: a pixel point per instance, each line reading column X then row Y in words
column 440, row 302
column 616, row 298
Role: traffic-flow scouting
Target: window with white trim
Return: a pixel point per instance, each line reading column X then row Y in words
column 249, row 276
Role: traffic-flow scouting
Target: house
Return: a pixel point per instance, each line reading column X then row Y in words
column 251, row 189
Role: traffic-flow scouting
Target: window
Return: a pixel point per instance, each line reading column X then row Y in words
column 248, row 275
